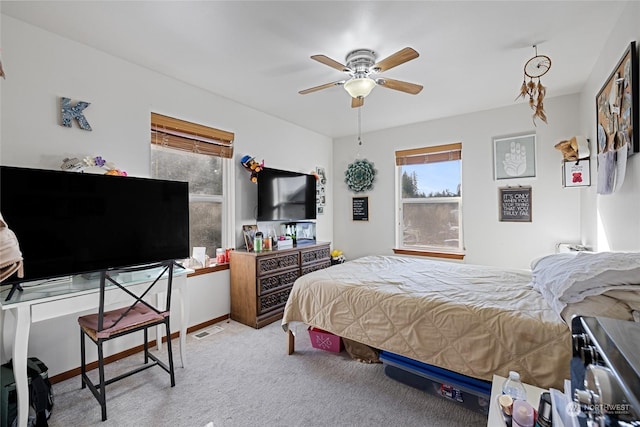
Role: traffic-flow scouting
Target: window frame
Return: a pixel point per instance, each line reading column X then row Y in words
column 187, row 136
column 425, row 155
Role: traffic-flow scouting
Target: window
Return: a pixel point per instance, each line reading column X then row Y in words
column 185, row 151
column 429, row 199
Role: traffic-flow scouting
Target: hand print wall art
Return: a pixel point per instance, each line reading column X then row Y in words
column 514, row 156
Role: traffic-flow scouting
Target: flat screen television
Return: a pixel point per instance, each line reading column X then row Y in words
column 71, row 223
column 285, row 195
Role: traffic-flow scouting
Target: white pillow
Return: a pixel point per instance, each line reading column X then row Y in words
column 566, row 278
column 551, row 261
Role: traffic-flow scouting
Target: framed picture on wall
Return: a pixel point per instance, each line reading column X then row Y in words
column 576, row 174
column 360, row 208
column 514, row 156
column 515, row 204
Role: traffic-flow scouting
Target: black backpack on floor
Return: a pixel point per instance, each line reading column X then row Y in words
column 40, row 393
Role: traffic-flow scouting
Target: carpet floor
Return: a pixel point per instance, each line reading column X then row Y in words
column 240, row 376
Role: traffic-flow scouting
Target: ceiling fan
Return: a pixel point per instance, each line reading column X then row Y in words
column 361, row 67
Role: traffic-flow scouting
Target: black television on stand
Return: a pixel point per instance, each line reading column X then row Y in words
column 70, row 223
column 286, row 195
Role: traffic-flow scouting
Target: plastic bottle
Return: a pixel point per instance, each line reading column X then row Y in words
column 220, row 258
column 513, row 387
column 266, row 243
column 522, row 414
column 257, row 242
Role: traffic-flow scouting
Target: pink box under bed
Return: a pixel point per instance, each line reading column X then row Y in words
column 324, row 340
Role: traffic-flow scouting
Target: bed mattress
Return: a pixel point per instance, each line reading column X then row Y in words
column 474, row 320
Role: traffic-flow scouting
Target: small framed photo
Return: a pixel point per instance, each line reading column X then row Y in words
column 249, row 233
column 576, row 174
column 514, row 156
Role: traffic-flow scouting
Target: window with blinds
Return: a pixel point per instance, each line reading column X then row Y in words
column 186, row 136
column 429, row 199
column 185, row 151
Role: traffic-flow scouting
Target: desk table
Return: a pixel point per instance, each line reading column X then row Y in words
column 43, row 301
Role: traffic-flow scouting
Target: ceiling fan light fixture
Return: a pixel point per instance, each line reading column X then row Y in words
column 359, row 87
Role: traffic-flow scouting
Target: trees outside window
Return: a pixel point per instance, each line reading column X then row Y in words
column 429, row 202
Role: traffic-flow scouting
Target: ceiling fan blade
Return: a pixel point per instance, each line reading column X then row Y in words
column 400, row 57
column 324, row 86
column 407, row 87
column 331, row 63
column 357, row 102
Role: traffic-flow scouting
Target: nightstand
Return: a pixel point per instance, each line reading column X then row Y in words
column 495, row 418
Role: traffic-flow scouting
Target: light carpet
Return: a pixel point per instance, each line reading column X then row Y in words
column 240, row 376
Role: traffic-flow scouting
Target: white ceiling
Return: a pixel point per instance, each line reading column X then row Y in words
column 257, row 53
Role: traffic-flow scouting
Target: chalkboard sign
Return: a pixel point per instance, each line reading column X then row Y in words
column 515, row 204
column 361, row 209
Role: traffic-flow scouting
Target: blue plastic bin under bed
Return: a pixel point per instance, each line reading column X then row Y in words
column 472, row 393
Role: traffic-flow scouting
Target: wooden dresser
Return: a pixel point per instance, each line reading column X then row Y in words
column 261, row 282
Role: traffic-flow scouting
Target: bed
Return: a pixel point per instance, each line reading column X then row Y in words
column 474, row 320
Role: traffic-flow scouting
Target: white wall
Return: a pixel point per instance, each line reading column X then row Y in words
column 488, row 241
column 41, row 67
column 618, row 212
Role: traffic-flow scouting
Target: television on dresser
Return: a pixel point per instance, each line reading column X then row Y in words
column 70, row 223
column 286, row 195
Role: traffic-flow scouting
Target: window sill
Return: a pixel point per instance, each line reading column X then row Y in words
column 432, row 254
column 205, row 270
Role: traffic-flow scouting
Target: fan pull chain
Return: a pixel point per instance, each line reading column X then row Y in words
column 359, row 131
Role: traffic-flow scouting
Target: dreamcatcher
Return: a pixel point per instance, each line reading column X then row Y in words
column 535, row 68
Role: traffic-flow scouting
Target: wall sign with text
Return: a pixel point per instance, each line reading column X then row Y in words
column 515, row 204
column 360, row 208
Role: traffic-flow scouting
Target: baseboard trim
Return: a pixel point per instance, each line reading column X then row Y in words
column 126, row 353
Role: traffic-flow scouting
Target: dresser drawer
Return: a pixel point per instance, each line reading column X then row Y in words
column 317, row 266
column 314, row 255
column 267, row 284
column 273, row 300
column 271, row 264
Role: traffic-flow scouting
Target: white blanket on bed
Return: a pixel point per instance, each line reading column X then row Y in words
column 571, row 277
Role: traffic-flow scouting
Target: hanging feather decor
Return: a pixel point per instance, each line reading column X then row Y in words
column 535, row 68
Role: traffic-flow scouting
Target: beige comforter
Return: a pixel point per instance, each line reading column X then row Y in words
column 474, row 320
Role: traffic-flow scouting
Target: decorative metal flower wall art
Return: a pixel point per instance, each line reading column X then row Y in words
column 360, row 175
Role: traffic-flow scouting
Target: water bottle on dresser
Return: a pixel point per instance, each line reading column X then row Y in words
column 520, row 414
column 514, row 387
